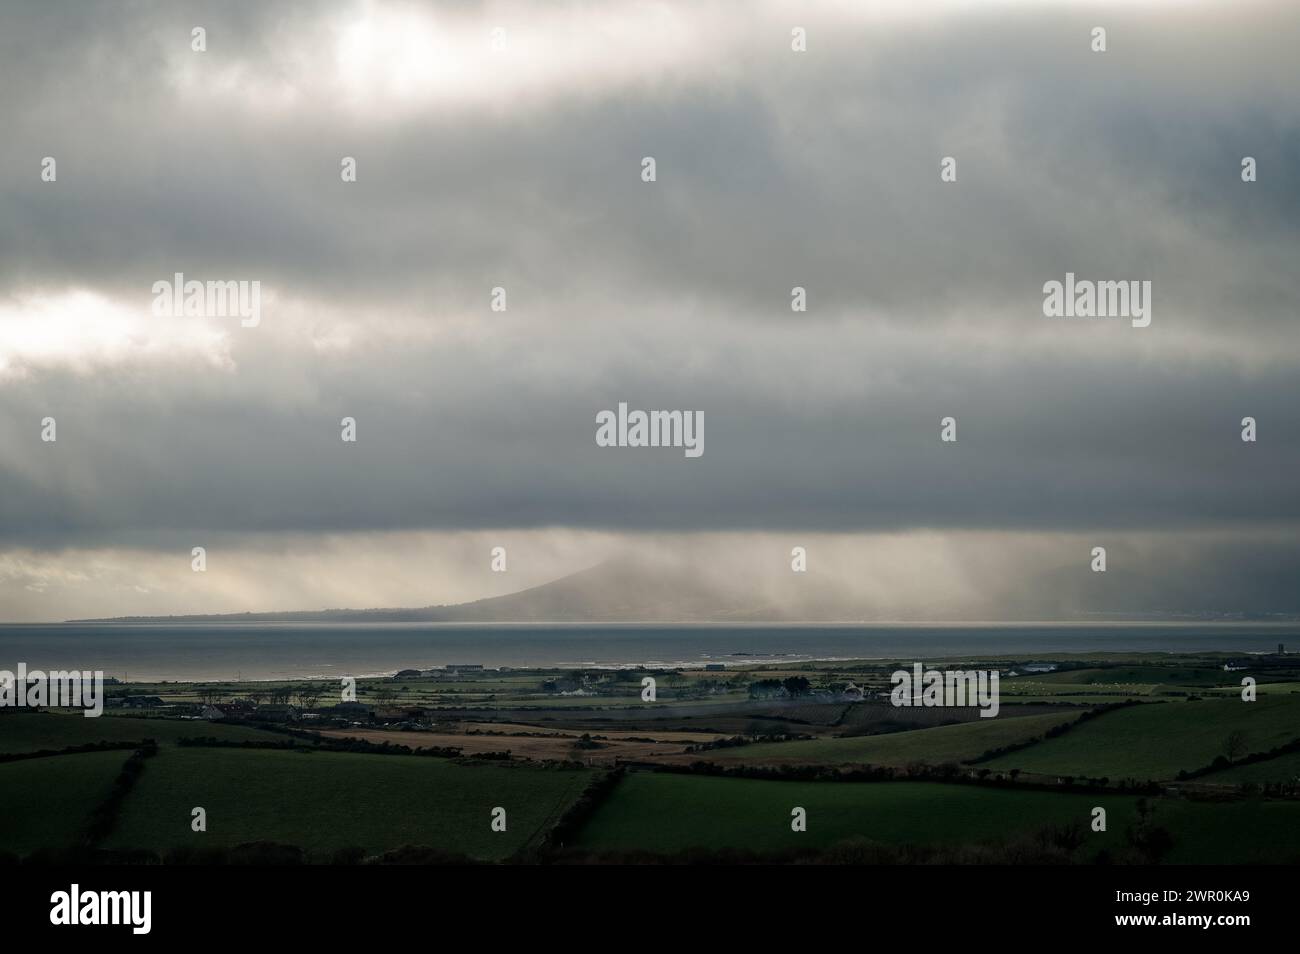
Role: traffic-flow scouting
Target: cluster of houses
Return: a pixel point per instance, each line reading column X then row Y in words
column 243, row 710
column 773, row 689
column 1279, row 660
column 452, row 669
column 249, row 710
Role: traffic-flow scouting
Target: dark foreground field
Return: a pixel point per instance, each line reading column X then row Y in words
column 676, row 813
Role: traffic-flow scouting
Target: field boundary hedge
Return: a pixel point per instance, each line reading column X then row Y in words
column 103, row 816
column 1223, row 762
column 947, row 773
column 583, row 808
column 101, row 746
column 321, row 744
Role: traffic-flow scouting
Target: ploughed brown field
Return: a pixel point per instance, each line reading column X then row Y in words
column 613, row 745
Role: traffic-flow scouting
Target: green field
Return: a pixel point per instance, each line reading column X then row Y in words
column 1284, row 768
column 946, row 743
column 34, row 731
column 1157, row 740
column 1263, row 689
column 322, row 801
column 46, row 801
column 1125, row 676
column 668, row 812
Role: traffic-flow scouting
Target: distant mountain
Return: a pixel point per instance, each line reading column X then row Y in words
column 617, row 591
column 649, row 591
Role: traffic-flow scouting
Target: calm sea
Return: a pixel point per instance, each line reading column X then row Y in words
column 167, row 651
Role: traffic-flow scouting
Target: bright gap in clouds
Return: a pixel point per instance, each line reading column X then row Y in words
column 397, row 53
column 377, row 59
column 380, row 58
column 81, row 330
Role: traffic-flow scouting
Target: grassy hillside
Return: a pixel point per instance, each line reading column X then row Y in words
column 1156, row 741
column 948, row 743
column 327, row 800
column 44, row 802
column 668, row 812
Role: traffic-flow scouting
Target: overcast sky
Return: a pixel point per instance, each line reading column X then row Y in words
column 521, row 167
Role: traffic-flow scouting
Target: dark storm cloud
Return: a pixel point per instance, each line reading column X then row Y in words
column 449, row 440
column 821, row 172
column 1118, row 165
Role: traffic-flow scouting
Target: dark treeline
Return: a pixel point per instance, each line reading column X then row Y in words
column 73, row 750
column 324, row 745
column 104, row 815
column 947, row 772
column 581, row 811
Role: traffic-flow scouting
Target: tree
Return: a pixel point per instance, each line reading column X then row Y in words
column 1234, row 746
column 308, row 696
column 797, row 686
column 1152, row 841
